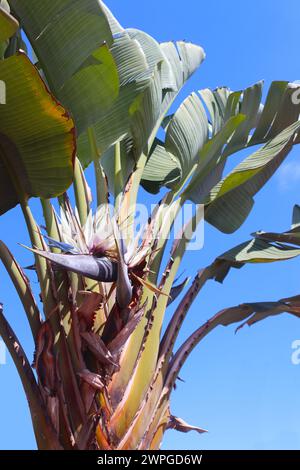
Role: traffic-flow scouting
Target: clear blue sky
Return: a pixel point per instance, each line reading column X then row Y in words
column 243, row 388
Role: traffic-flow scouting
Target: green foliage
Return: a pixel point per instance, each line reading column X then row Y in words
column 105, row 372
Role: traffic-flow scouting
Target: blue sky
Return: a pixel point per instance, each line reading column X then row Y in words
column 242, row 388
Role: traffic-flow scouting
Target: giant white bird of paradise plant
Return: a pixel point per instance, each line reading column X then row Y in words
column 100, row 94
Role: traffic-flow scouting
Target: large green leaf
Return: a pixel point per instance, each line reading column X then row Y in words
column 187, row 132
column 200, row 143
column 194, row 140
column 144, row 114
column 211, row 161
column 163, row 164
column 64, row 33
column 114, row 126
column 93, row 89
column 97, row 77
column 273, row 125
column 230, row 202
column 71, row 39
column 148, row 87
column 148, row 110
column 260, row 251
column 183, row 154
column 111, row 79
column 250, row 106
column 184, row 58
column 37, row 137
column 153, row 53
column 135, row 77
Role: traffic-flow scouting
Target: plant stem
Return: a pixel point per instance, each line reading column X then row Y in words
column 50, row 220
column 23, row 289
column 41, row 264
column 101, row 183
column 80, row 190
column 118, row 179
column 45, row 435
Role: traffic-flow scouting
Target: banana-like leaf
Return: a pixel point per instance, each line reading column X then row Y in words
column 253, row 251
column 37, row 139
column 199, row 144
column 161, row 164
column 134, row 76
column 63, row 33
column 231, row 200
column 148, row 87
column 154, row 55
column 184, row 58
column 262, row 310
column 189, row 137
column 278, row 114
column 260, row 251
column 148, row 72
column 92, row 90
column 186, row 134
column 135, row 67
column 144, row 114
column 71, row 40
column 211, row 164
